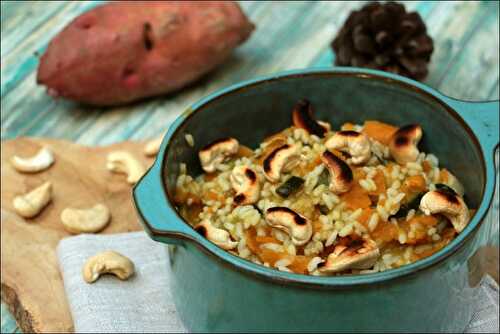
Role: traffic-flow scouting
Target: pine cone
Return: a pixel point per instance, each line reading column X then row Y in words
column 385, row 37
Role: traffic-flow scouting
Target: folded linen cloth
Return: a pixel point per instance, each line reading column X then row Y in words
column 144, row 304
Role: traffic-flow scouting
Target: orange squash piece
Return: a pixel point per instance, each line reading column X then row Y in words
column 347, row 126
column 379, row 180
column 446, row 236
column 270, row 256
column 181, row 197
column 426, row 165
column 317, row 226
column 254, row 241
column 209, row 176
column 212, row 195
column 365, row 216
column 358, row 173
column 385, row 231
column 443, row 175
column 309, row 166
column 414, row 184
column 381, row 132
column 266, row 239
column 244, row 151
column 252, row 244
column 425, row 220
column 193, row 211
column 299, row 264
column 356, row 198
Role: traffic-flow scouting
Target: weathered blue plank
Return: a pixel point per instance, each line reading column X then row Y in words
column 461, row 25
column 493, row 94
column 474, row 71
column 21, row 18
column 288, row 35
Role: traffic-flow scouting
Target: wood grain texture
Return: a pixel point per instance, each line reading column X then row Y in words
column 31, row 283
column 289, row 35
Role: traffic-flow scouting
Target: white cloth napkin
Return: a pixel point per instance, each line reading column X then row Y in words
column 143, row 303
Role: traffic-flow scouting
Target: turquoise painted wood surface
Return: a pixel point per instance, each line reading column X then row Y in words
column 289, row 35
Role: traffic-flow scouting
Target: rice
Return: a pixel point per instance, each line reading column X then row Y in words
column 272, row 246
column 335, row 218
column 373, row 222
column 189, row 139
column 331, row 239
column 283, row 263
column 346, row 230
column 313, row 264
column 410, row 214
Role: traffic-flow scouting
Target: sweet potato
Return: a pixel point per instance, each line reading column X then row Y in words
column 125, row 51
column 356, row 198
column 379, row 131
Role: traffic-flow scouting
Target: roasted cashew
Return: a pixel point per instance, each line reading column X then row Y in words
column 215, row 153
column 454, row 183
column 246, row 184
column 302, row 117
column 341, row 178
column 30, row 204
column 355, row 143
column 218, row 236
column 357, row 254
column 298, row 227
column 85, row 220
column 153, row 146
column 125, row 163
column 42, row 160
column 281, row 159
column 403, row 144
column 107, row 262
column 449, row 204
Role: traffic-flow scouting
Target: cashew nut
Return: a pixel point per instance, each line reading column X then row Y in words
column 302, row 117
column 153, row 146
column 42, row 160
column 281, row 159
column 215, row 153
column 85, row 220
column 107, row 262
column 452, row 182
column 32, row 203
column 352, row 142
column 125, row 163
column 341, row 178
column 245, row 183
column 355, row 254
column 298, row 227
column 449, row 204
column 218, row 236
column 403, row 144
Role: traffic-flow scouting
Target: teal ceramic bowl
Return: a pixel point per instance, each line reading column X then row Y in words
column 216, row 291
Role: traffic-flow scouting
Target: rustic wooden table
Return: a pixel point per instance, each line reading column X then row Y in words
column 465, row 65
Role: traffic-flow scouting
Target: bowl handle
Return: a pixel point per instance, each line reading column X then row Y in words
column 159, row 219
column 483, row 118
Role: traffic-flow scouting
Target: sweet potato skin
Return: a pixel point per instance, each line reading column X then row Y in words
column 124, row 51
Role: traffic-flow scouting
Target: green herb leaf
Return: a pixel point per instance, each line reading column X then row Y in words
column 292, row 185
column 405, row 208
column 324, row 178
column 445, row 189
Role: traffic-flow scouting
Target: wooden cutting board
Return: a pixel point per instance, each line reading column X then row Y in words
column 31, row 284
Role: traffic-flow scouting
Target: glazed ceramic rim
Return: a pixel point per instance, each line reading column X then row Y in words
column 249, row 267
